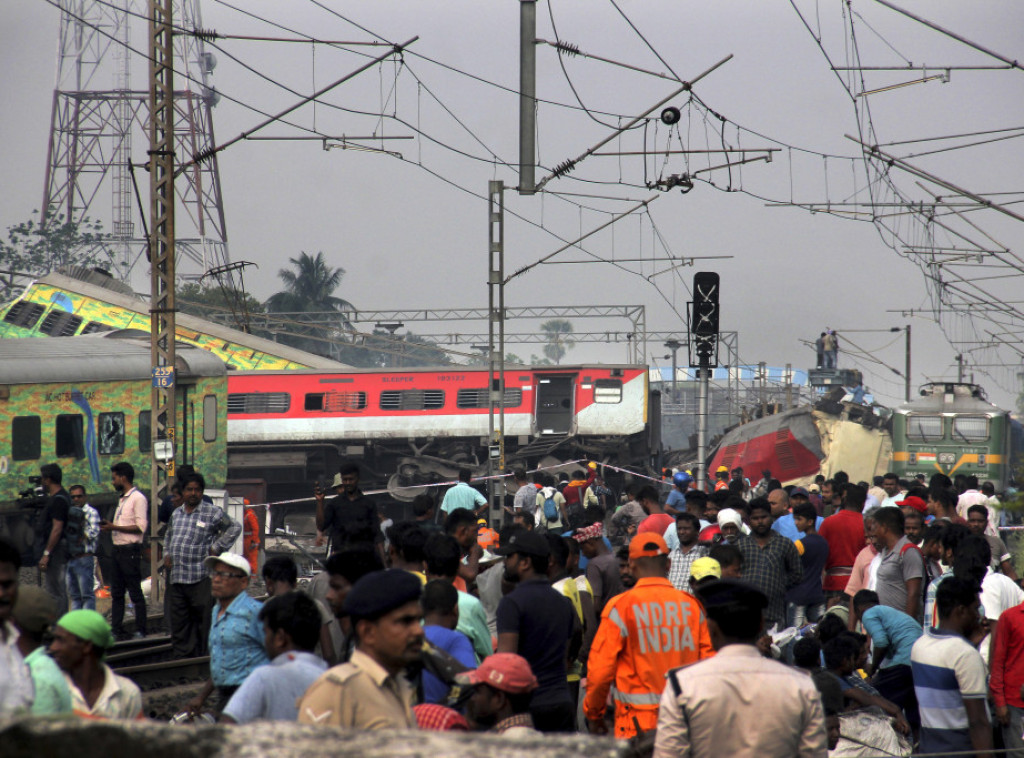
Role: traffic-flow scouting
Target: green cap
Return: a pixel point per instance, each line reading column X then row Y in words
column 89, row 625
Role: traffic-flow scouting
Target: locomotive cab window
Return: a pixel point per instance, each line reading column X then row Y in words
column 970, row 428
column 924, row 428
column 70, row 439
column 608, row 391
column 411, row 400
column 26, row 438
column 110, row 434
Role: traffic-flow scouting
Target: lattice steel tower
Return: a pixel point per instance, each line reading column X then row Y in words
column 97, row 115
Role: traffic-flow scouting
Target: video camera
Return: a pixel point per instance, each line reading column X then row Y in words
column 33, row 493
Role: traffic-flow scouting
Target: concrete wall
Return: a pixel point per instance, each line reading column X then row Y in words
column 38, row 737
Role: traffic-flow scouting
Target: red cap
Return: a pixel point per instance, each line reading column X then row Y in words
column 914, row 502
column 507, row 672
column 647, row 545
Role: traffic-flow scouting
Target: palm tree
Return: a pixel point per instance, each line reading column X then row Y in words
column 309, row 288
column 556, row 331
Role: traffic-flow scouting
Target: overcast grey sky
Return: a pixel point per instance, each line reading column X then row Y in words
column 409, row 239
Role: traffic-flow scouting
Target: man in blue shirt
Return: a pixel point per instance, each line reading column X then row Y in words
column 893, row 634
column 291, row 629
column 440, row 603
column 676, row 500
column 236, row 632
column 782, row 513
column 462, row 495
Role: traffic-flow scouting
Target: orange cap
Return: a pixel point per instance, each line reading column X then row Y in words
column 647, row 545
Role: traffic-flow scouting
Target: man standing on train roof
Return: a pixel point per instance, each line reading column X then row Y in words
column 461, row 495
column 350, row 519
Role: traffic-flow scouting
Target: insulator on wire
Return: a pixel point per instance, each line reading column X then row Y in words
column 206, row 35
column 564, row 168
column 567, row 47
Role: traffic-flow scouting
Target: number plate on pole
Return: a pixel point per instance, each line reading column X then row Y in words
column 163, row 376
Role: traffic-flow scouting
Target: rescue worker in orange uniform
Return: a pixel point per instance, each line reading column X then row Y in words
column 251, row 538
column 487, row 537
column 721, row 478
column 644, row 633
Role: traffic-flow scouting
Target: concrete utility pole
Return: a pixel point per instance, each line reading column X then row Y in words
column 496, row 347
column 527, row 96
column 161, row 251
column 906, row 370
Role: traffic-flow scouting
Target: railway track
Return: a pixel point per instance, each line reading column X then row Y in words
column 167, row 673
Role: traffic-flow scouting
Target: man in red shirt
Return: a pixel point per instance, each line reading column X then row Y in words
column 657, row 520
column 1006, row 676
column 844, row 532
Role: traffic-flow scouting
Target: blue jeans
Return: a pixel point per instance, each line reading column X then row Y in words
column 81, row 575
column 798, row 615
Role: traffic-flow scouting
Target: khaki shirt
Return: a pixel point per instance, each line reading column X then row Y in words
column 360, row 694
column 719, row 699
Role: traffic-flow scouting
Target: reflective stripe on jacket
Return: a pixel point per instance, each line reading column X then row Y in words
column 643, row 634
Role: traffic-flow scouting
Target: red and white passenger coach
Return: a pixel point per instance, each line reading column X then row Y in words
column 418, row 426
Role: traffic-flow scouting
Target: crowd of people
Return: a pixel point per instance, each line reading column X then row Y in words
column 746, row 620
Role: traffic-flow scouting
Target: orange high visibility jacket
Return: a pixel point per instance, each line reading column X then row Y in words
column 643, row 634
column 487, row 537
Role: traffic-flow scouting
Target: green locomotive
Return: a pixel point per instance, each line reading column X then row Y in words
column 953, row 429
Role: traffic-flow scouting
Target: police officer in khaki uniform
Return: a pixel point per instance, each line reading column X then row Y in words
column 369, row 692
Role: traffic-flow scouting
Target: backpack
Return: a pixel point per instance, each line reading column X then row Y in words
column 550, row 508
column 74, row 531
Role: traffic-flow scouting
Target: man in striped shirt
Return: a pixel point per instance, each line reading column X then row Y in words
column 950, row 677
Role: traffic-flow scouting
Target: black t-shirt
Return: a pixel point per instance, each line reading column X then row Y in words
column 351, row 522
column 543, row 619
column 56, row 509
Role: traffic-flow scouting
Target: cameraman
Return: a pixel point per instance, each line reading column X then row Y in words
column 51, row 547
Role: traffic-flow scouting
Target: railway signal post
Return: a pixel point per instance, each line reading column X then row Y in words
column 161, row 255
column 703, row 314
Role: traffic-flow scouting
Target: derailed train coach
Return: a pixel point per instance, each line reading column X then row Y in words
column 84, row 404
column 408, row 429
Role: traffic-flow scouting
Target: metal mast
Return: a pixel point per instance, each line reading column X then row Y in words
column 96, row 114
column 161, row 183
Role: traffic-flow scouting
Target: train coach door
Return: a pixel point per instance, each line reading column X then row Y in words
column 555, row 404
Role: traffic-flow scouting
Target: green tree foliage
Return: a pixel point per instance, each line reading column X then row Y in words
column 309, row 287
column 32, row 249
column 199, row 300
column 557, row 331
column 384, row 350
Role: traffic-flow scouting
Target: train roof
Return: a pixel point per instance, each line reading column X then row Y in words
column 950, row 397
column 93, row 358
column 449, row 369
column 107, row 293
